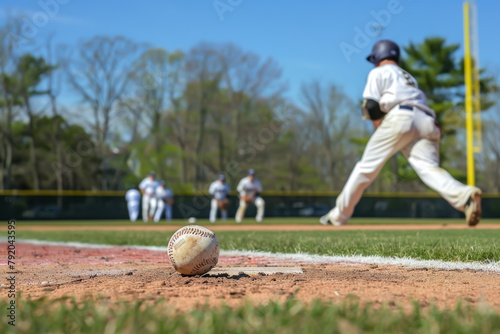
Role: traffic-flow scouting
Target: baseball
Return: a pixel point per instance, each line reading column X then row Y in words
column 192, row 220
column 193, row 250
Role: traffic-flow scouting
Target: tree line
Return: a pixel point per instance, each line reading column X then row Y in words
column 102, row 113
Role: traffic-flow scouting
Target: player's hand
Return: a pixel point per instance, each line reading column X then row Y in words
column 439, row 127
column 223, row 204
column 248, row 199
column 377, row 123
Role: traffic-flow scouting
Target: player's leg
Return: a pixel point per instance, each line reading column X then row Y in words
column 152, row 207
column 423, row 156
column 133, row 211
column 223, row 208
column 213, row 210
column 241, row 211
column 145, row 208
column 395, row 132
column 259, row 203
column 168, row 212
column 159, row 210
column 129, row 209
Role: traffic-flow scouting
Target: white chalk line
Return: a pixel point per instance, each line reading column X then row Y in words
column 492, row 266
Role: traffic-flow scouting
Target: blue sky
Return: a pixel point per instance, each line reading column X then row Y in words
column 304, row 37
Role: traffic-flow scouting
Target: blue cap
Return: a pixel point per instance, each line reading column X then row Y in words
column 251, row 172
column 162, row 182
column 152, row 173
column 221, row 177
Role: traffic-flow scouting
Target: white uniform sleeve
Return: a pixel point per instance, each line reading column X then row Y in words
column 374, row 86
column 241, row 186
column 211, row 190
column 143, row 184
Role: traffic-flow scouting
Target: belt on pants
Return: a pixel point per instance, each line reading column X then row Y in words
column 411, row 108
column 402, row 106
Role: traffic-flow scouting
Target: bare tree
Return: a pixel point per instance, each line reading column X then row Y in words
column 178, row 118
column 54, row 81
column 100, row 73
column 205, row 72
column 327, row 118
column 150, row 81
column 490, row 155
column 247, row 80
column 8, row 96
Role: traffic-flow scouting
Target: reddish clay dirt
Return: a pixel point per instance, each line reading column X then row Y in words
column 129, row 274
column 253, row 227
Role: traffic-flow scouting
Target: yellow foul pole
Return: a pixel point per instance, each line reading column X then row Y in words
column 468, row 98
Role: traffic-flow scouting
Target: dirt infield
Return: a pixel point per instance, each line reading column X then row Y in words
column 130, row 274
column 253, row 227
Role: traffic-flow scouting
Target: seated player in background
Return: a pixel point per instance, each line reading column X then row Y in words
column 165, row 200
column 133, row 196
column 148, row 189
column 403, row 122
column 249, row 190
column 219, row 190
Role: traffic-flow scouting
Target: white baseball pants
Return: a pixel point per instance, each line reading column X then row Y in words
column 148, row 207
column 168, row 212
column 133, row 210
column 259, row 203
column 415, row 134
column 214, row 205
column 160, row 205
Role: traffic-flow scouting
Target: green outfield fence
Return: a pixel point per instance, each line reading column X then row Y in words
column 69, row 205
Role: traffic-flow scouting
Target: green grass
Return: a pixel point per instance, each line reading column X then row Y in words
column 251, row 221
column 291, row 316
column 447, row 245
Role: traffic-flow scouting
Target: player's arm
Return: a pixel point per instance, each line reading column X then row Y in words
column 142, row 186
column 211, row 189
column 371, row 110
column 371, row 97
column 241, row 187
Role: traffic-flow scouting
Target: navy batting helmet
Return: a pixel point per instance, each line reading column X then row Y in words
column 384, row 49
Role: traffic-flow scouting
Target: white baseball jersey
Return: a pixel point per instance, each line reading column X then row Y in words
column 390, row 85
column 219, row 190
column 248, row 188
column 149, row 186
column 164, row 193
column 133, row 197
